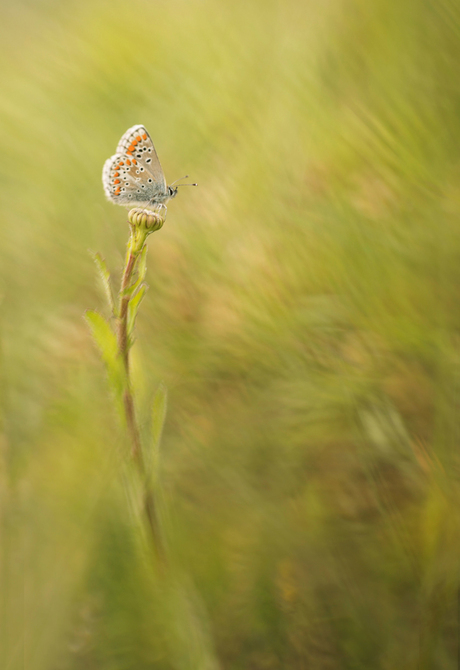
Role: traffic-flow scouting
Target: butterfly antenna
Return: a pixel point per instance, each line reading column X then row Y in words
column 175, row 182
column 186, row 185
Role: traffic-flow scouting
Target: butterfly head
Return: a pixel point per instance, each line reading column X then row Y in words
column 172, row 190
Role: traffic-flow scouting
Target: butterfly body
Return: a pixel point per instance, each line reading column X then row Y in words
column 133, row 177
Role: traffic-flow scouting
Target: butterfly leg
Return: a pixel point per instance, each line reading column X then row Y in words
column 162, row 206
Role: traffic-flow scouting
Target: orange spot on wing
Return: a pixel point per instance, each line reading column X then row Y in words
column 117, row 181
column 138, row 139
column 117, row 174
column 134, row 161
column 117, row 192
column 128, row 162
column 144, row 136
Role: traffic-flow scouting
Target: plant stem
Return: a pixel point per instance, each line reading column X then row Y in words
column 135, row 245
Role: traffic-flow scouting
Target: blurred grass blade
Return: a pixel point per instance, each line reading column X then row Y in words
column 107, row 342
column 104, row 274
column 186, row 611
column 159, row 408
column 133, row 307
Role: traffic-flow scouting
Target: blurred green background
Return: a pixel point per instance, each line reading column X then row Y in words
column 303, row 312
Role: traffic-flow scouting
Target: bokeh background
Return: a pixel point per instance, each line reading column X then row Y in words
column 303, row 312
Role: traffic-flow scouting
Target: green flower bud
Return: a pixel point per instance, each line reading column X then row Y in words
column 145, row 220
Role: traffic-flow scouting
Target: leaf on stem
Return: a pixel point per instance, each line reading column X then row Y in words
column 133, row 307
column 107, row 342
column 142, row 267
column 141, row 271
column 104, row 275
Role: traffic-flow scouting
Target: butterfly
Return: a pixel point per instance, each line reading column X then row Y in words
column 133, row 177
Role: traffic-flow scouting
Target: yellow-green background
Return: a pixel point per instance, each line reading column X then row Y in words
column 303, row 312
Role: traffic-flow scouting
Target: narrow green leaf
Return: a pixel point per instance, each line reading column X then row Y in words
column 159, row 407
column 107, row 343
column 128, row 291
column 142, row 267
column 104, row 275
column 103, row 334
column 140, row 271
column 133, row 307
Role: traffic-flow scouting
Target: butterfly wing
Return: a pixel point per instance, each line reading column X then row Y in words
column 136, row 143
column 133, row 177
column 124, row 183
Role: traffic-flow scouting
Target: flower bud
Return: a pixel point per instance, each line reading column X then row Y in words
column 145, row 220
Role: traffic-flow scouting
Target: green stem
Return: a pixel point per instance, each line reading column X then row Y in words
column 135, row 245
